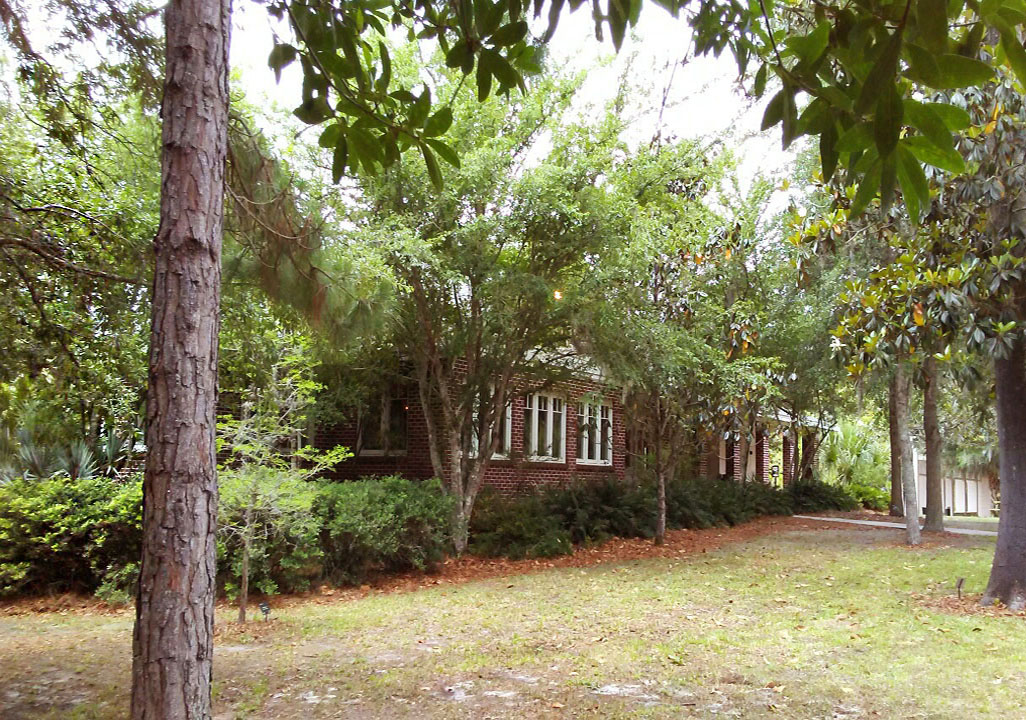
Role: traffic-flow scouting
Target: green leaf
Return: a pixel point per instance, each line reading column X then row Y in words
column 760, row 80
column 457, row 54
column 313, row 111
column 958, row 71
column 914, row 187
column 509, row 34
column 1013, row 49
column 419, row 110
column 281, row 56
column 617, row 18
column 887, row 120
column 434, row 172
column 867, row 189
column 438, row 123
column 888, row 180
column 881, row 74
column 925, row 151
column 338, row 159
column 932, row 19
column 484, row 78
column 444, row 151
column 789, row 124
column 809, row 48
column 329, row 138
column 828, row 154
column 855, row 139
column 922, row 65
column 928, row 121
column 381, row 85
column 774, row 110
column 954, row 118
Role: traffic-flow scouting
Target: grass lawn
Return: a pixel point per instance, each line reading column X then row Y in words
column 804, row 623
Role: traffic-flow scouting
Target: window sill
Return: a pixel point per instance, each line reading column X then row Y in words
column 545, row 460
column 595, row 463
column 380, row 454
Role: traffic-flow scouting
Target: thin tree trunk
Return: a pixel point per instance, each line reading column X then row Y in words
column 173, row 639
column 896, row 443
column 931, row 430
column 1007, row 582
column 904, row 452
column 660, row 531
column 247, row 543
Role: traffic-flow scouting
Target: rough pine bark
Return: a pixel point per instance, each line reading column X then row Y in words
column 173, row 640
column 1007, row 582
column 902, row 386
column 931, row 430
column 897, row 502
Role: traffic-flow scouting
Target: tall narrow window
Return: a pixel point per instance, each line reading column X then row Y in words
column 544, row 427
column 503, row 426
column 594, row 434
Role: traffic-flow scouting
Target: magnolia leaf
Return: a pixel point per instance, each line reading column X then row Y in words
column 958, row 71
column 434, row 172
column 438, row 123
column 925, row 151
column 914, row 187
column 888, row 119
column 339, row 159
column 444, row 151
column 932, row 19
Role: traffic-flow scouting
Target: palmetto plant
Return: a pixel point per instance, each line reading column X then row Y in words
column 77, row 460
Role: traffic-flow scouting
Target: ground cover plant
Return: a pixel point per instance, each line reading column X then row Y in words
column 806, row 622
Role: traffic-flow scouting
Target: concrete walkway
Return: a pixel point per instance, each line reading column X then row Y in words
column 895, row 525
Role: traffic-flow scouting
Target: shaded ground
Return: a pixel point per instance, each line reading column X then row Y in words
column 790, row 622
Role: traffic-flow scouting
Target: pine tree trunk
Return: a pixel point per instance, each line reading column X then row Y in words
column 173, row 639
column 1008, row 573
column 904, row 453
column 931, row 429
column 897, row 503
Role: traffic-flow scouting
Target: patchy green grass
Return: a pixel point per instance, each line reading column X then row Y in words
column 830, row 623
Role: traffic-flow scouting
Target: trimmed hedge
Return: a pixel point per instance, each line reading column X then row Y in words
column 59, row 534
column 384, row 524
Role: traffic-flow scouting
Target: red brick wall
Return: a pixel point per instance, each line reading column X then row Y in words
column 507, row 475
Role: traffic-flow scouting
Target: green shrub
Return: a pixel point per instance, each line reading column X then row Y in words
column 382, row 524
column 59, row 534
column 817, row 496
column 594, row 509
column 274, row 508
column 872, row 498
column 517, row 527
column 701, row 502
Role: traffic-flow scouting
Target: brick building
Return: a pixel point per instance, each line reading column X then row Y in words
column 551, row 434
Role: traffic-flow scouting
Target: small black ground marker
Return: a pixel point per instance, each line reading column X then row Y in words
column 958, row 586
column 266, row 609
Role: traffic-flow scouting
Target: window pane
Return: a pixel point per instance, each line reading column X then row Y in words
column 606, row 433
column 398, row 410
column 581, row 420
column 370, row 426
column 556, row 449
column 542, row 439
column 528, row 426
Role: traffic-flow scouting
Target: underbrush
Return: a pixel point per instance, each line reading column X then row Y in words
column 591, row 510
column 61, row 534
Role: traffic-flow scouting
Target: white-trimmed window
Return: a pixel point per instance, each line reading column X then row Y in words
column 544, row 427
column 504, row 428
column 594, row 434
column 382, row 427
